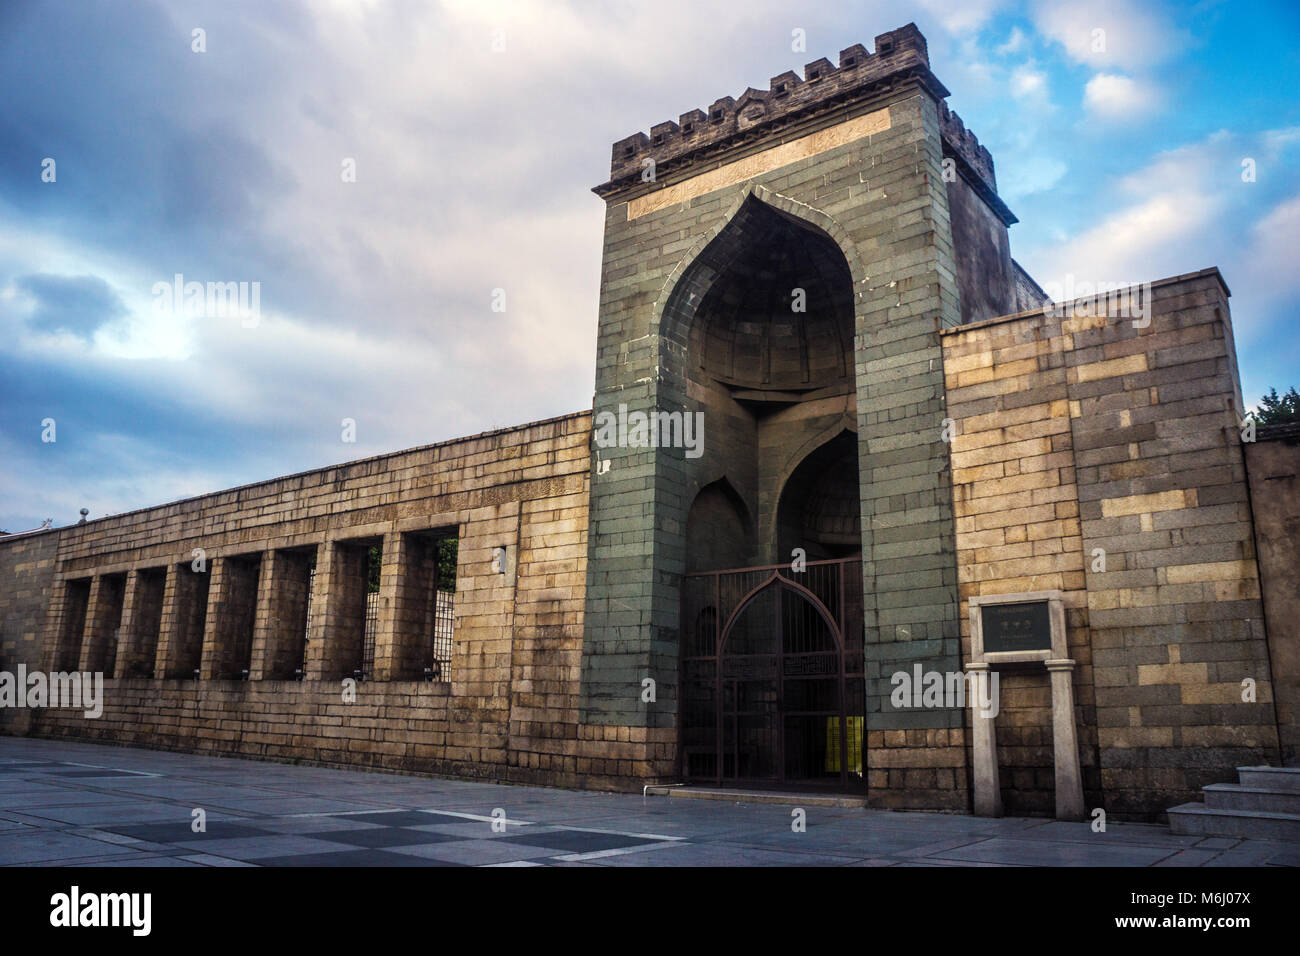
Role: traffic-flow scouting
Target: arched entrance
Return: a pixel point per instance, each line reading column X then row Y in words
column 762, row 323
column 772, row 675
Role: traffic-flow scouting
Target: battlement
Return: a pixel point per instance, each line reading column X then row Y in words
column 700, row 134
column 963, row 142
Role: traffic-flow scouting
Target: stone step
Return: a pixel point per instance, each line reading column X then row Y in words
column 1196, row 819
column 1272, row 778
column 1234, row 796
column 757, row 796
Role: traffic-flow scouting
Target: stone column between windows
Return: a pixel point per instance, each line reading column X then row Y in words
column 394, row 566
column 265, row 623
column 128, row 640
column 338, row 630
column 215, row 632
column 92, row 632
column 168, row 627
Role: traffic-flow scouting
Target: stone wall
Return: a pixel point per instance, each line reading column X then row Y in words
column 26, row 584
column 509, row 710
column 26, row 578
column 1273, row 465
column 982, row 249
column 1102, row 457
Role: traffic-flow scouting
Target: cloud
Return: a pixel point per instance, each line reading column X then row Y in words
column 1115, row 97
column 1027, row 83
column 1030, row 173
column 1157, row 222
column 1264, row 304
column 74, row 304
column 1143, row 240
column 1110, row 33
column 1274, row 236
column 1187, row 209
column 964, row 17
column 99, row 475
column 1014, row 43
column 474, row 171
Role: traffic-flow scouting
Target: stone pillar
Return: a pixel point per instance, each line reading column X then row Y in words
column 103, row 617
column 314, row 657
column 1065, row 745
column 55, row 625
column 214, row 632
column 167, row 626
column 90, row 629
column 142, row 606
column 404, row 638
column 280, row 621
column 984, row 747
column 193, row 589
column 396, row 560
column 264, row 623
column 188, row 623
column 128, row 639
column 334, row 648
column 231, row 618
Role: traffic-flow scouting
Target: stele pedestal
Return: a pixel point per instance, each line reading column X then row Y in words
column 1026, row 627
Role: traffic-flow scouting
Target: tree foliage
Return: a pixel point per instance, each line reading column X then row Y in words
column 447, row 549
column 1276, row 410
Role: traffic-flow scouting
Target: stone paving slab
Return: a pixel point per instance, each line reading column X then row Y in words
column 80, row 804
column 114, row 813
column 1189, row 858
column 44, row 846
column 478, row 852
column 1044, row 853
column 148, row 860
column 49, row 796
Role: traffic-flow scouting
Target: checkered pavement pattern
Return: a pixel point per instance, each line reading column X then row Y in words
column 382, row 837
column 69, row 803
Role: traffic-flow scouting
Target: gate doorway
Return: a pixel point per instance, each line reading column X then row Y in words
column 772, row 688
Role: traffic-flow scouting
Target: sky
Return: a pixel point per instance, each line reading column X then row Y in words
column 408, row 185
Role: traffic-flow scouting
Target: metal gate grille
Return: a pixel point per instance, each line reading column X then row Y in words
column 772, row 675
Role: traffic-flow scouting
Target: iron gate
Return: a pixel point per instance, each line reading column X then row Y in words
column 772, row 685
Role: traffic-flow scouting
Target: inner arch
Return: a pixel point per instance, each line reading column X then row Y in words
column 759, row 338
column 777, row 315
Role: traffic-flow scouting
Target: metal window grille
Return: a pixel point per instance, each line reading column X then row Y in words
column 368, row 639
column 311, row 603
column 441, row 635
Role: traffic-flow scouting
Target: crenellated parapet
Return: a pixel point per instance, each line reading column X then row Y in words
column 788, row 98
column 701, row 134
column 962, row 142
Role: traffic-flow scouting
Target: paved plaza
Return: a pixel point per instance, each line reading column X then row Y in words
column 65, row 803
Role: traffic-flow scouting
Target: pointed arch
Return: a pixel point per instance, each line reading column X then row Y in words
column 823, row 437
column 819, row 506
column 701, row 264
column 779, row 581
column 719, row 529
